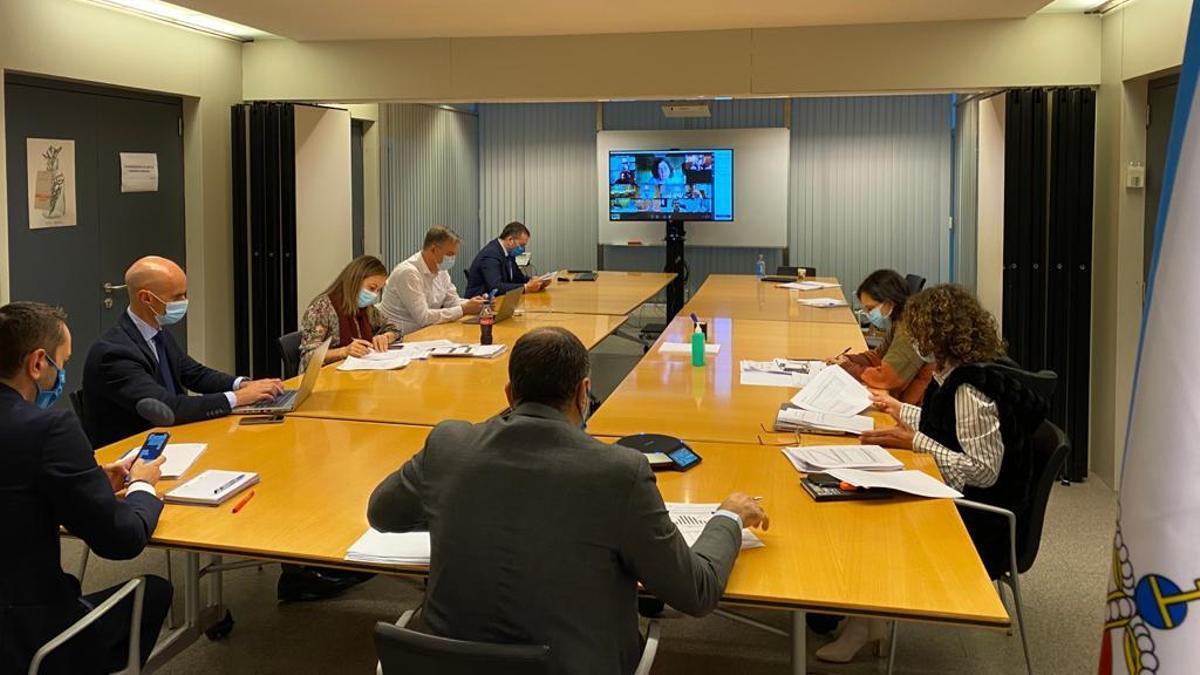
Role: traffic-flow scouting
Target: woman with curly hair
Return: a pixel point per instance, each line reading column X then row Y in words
column 893, row 366
column 975, row 419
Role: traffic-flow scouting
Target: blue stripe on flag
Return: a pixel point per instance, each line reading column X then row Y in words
column 1179, row 122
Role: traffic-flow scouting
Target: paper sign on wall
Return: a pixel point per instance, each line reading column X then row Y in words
column 139, row 172
column 50, row 167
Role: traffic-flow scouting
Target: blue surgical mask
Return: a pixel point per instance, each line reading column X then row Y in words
column 516, row 251
column 446, row 263
column 366, row 298
column 878, row 320
column 46, row 397
column 173, row 313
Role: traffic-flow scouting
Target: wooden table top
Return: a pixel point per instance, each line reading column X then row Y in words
column 740, row 296
column 665, row 394
column 616, row 293
column 904, row 558
column 430, row 391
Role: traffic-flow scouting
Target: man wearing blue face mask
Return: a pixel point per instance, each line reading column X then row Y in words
column 49, row 479
column 419, row 291
column 138, row 360
column 495, row 266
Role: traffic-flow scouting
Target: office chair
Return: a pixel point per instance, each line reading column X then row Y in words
column 133, row 666
column 792, row 270
column 403, row 650
column 76, row 398
column 915, row 283
column 289, row 351
column 1049, row 447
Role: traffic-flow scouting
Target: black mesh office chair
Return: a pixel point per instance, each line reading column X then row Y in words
column 915, row 283
column 289, row 351
column 792, row 270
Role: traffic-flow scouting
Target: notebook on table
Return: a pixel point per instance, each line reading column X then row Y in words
column 212, row 487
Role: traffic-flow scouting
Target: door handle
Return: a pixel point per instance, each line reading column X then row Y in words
column 109, row 287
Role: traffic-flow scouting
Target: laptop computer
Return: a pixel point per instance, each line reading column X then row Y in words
column 290, row 399
column 508, row 304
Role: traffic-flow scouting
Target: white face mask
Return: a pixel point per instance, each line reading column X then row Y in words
column 447, row 263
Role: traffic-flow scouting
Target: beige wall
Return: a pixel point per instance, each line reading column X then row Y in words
column 74, row 40
column 1142, row 39
column 323, row 206
column 989, row 273
column 945, row 56
column 369, row 114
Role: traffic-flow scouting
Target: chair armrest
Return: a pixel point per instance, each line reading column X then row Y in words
column 407, row 616
column 653, row 630
column 1012, row 527
column 134, row 586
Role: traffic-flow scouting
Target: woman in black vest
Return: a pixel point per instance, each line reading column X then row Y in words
column 975, row 420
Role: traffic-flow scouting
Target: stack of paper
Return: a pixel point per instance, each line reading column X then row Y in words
column 822, row 302
column 477, row 351
column 916, row 483
column 391, row 548
column 780, row 372
column 690, row 520
column 807, row 285
column 212, row 487
column 791, row 418
column 834, row 391
column 822, row 458
column 180, row 457
column 419, row 349
column 389, row 360
column 686, row 348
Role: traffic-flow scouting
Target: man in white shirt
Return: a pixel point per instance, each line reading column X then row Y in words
column 419, row 292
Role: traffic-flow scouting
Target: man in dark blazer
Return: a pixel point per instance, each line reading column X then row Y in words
column 49, row 478
column 495, row 266
column 541, row 533
column 136, row 359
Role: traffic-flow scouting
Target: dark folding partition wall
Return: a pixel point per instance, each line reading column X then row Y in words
column 1049, row 162
column 264, row 233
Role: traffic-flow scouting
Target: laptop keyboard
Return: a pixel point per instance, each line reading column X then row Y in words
column 282, row 400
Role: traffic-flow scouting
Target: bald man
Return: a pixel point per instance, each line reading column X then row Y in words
column 137, row 360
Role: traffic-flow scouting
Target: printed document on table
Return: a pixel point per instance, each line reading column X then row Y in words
column 419, row 349
column 801, row 419
column 779, row 372
column 180, row 457
column 822, row 302
column 391, row 548
column 835, row 391
column 686, row 348
column 821, row 458
column 388, row 360
column 807, row 285
column 690, row 520
column 916, row 483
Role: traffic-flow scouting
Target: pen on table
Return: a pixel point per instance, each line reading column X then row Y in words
column 229, row 483
column 844, row 352
column 695, row 319
column 242, row 502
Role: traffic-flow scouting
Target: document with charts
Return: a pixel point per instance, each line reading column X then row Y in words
column 690, row 519
column 834, row 391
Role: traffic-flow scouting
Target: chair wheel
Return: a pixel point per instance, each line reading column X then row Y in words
column 220, row 629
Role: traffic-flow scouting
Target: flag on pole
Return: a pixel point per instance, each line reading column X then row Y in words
column 1155, row 580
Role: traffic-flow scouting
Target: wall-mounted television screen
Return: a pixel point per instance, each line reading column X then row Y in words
column 670, row 184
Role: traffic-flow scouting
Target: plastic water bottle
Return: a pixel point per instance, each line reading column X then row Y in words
column 760, row 268
column 698, row 347
column 487, row 319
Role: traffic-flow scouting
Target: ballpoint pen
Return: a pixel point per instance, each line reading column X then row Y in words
column 229, row 483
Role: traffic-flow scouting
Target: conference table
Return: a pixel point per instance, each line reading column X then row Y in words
column 613, row 293
column 738, row 296
column 899, row 558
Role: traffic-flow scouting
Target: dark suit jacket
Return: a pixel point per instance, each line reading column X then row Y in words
column 48, row 478
column 121, row 369
column 492, row 268
column 540, row 535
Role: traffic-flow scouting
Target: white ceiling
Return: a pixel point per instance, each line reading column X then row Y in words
column 383, row 19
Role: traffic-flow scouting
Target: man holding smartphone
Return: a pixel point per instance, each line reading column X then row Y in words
column 49, row 479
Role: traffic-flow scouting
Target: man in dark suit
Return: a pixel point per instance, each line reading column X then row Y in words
column 541, row 533
column 495, row 266
column 136, row 359
column 49, row 478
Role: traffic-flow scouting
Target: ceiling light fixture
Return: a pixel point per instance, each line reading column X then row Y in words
column 187, row 18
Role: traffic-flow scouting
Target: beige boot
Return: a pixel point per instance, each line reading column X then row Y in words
column 856, row 633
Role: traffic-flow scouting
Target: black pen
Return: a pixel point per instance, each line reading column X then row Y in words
column 229, row 483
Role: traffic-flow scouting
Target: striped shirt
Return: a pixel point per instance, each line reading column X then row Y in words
column 977, row 426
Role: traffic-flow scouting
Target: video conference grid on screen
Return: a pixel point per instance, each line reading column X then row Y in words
column 670, row 184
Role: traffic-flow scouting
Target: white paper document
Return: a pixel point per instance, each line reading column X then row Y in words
column 798, row 419
column 419, row 349
column 823, row 303
column 212, row 487
column 779, row 372
column 180, row 457
column 835, row 391
column 391, row 548
column 475, row 351
column 821, row 458
column 807, row 285
column 139, row 171
column 690, row 519
column 389, row 360
column 916, row 483
column 686, row 348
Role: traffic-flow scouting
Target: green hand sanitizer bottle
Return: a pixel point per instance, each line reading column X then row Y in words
column 698, row 347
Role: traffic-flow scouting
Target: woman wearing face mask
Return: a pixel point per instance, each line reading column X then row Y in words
column 975, row 420
column 346, row 313
column 894, row 366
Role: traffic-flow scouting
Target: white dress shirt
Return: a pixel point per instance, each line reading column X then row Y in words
column 148, row 332
column 977, row 426
column 416, row 296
